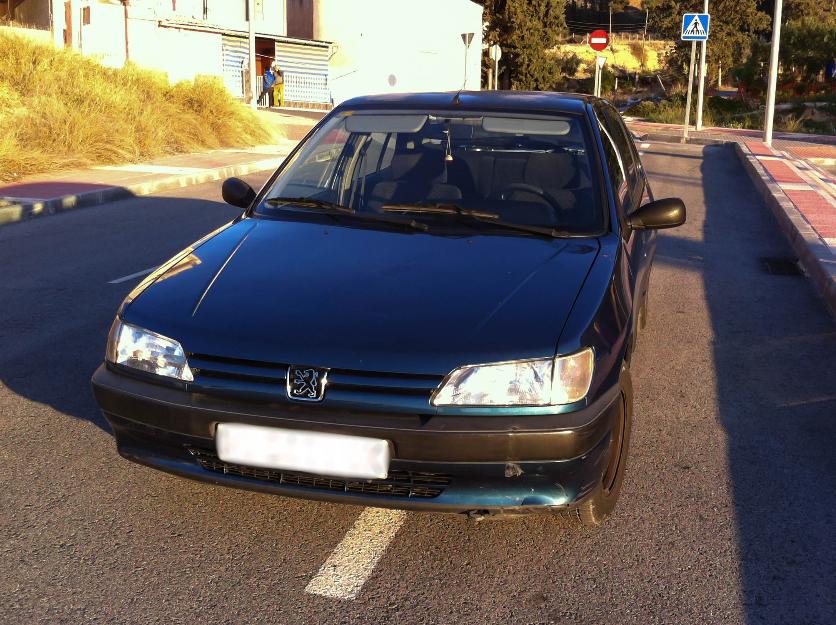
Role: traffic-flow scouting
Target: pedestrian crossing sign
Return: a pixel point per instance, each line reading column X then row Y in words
column 695, row 26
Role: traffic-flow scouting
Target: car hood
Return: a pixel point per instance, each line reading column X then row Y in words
column 377, row 299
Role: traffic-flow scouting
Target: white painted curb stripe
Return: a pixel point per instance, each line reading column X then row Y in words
column 353, row 561
column 152, row 169
column 132, row 276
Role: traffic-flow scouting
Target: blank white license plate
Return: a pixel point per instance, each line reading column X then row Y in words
column 336, row 455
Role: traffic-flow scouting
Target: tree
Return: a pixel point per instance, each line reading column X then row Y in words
column 734, row 25
column 808, row 44
column 797, row 9
column 526, row 30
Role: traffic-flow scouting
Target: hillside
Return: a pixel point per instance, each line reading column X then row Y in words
column 59, row 109
column 630, row 56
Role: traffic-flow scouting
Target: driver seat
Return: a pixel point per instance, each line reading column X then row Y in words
column 553, row 173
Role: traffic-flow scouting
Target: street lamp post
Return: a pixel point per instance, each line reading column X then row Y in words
column 253, row 97
column 701, row 90
column 773, row 73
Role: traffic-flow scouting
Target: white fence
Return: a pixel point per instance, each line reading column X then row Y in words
column 301, row 87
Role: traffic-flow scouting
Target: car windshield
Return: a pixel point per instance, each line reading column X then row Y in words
column 473, row 169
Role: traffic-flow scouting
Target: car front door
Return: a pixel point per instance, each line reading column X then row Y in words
column 631, row 191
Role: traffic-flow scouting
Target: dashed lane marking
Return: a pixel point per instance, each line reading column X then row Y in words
column 352, row 562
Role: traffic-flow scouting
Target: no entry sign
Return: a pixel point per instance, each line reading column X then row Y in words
column 599, row 39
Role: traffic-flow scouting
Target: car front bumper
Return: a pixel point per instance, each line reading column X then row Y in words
column 490, row 464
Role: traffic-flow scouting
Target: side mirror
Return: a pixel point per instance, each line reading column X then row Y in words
column 666, row 213
column 237, row 192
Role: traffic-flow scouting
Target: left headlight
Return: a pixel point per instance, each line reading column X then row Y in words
column 539, row 382
column 147, row 351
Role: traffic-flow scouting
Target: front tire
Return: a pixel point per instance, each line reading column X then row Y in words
column 599, row 505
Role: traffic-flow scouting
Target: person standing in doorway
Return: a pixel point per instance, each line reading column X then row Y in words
column 278, row 86
column 267, row 86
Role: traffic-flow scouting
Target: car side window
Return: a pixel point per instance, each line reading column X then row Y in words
column 622, row 142
column 615, row 166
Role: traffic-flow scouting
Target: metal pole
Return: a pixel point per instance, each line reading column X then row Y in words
column 690, row 89
column 466, row 48
column 496, row 73
column 253, row 96
column 701, row 92
column 773, row 73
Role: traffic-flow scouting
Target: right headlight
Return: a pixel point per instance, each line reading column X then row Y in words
column 537, row 382
column 147, row 351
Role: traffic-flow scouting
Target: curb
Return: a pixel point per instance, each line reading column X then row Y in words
column 15, row 213
column 663, row 138
column 810, row 249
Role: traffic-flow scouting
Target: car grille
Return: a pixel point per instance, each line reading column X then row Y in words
column 217, row 373
column 411, row 484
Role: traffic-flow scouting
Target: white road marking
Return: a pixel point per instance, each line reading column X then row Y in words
column 352, row 562
column 644, row 146
column 132, row 276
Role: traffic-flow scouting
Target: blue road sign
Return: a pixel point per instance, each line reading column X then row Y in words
column 695, row 26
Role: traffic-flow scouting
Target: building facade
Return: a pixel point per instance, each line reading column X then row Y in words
column 329, row 50
column 388, row 46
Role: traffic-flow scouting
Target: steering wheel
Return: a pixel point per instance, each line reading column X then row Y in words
column 507, row 190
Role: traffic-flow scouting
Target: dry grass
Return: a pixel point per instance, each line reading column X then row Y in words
column 631, row 56
column 59, row 109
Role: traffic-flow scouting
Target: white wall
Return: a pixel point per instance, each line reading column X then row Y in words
column 104, row 36
column 387, row 46
column 182, row 54
column 275, row 18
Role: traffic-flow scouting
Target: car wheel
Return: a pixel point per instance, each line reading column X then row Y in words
column 598, row 506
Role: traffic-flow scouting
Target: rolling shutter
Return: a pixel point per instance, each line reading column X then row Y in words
column 305, row 67
column 235, row 52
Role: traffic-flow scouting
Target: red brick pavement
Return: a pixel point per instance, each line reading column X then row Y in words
column 48, row 190
column 815, row 208
column 780, row 171
column 813, row 151
column 759, row 148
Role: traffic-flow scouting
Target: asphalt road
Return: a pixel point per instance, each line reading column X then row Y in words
column 727, row 512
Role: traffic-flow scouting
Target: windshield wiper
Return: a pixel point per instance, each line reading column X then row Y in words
column 332, row 208
column 438, row 209
column 309, row 202
column 491, row 218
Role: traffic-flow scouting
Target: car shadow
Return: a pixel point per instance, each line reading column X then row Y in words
column 776, row 387
column 59, row 301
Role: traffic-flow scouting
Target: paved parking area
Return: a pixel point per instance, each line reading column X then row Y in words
column 726, row 516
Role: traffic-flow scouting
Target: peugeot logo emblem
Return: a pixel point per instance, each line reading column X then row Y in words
column 306, row 383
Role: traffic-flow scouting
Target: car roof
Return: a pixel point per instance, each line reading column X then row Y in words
column 507, row 101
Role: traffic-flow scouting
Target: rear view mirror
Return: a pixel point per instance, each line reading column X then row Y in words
column 666, row 213
column 237, row 193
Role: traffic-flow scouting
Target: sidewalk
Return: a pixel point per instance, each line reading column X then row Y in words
column 797, row 179
column 46, row 194
column 818, row 149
